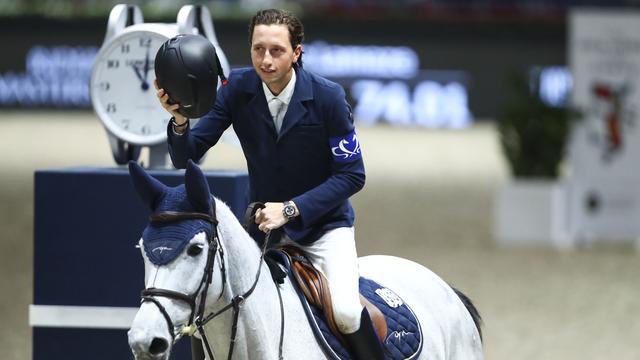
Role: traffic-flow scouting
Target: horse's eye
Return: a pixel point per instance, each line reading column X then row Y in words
column 194, row 250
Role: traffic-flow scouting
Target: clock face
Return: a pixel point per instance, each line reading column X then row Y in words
column 122, row 90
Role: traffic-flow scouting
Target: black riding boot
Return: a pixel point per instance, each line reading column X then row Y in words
column 197, row 352
column 364, row 343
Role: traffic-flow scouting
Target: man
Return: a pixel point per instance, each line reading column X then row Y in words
column 304, row 160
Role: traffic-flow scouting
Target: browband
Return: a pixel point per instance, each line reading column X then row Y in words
column 173, row 216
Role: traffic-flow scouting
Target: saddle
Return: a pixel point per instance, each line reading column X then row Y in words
column 315, row 287
column 394, row 322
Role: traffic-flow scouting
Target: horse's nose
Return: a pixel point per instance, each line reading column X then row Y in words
column 142, row 344
column 136, row 341
column 158, row 346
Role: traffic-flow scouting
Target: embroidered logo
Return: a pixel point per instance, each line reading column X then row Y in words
column 389, row 297
column 346, row 148
column 396, row 336
column 161, row 249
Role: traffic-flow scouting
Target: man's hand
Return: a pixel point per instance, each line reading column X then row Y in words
column 271, row 217
column 171, row 108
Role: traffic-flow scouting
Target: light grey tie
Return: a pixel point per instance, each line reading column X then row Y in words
column 276, row 108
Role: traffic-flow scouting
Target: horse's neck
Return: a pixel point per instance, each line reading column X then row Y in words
column 260, row 312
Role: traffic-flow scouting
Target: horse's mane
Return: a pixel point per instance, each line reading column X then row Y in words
column 237, row 243
column 228, row 222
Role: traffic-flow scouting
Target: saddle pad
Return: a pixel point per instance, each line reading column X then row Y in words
column 404, row 335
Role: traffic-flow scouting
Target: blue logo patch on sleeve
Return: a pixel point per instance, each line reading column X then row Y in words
column 345, row 148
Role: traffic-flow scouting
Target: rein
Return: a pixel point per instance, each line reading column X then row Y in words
column 197, row 320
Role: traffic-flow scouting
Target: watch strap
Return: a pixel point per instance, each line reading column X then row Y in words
column 176, row 125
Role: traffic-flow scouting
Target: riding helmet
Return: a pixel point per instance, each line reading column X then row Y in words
column 187, row 68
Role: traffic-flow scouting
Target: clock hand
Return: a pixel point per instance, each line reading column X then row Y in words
column 146, row 65
column 144, row 85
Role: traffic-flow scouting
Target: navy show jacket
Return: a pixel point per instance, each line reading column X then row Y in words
column 315, row 160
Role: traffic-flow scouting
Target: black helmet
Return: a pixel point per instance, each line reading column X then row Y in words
column 187, row 68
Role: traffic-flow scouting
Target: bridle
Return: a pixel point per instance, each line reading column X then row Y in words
column 197, row 320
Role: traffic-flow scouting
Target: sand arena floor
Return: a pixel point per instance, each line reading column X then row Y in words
column 428, row 197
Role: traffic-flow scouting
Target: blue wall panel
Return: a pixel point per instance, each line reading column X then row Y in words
column 87, row 222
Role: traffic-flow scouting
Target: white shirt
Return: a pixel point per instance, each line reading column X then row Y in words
column 278, row 105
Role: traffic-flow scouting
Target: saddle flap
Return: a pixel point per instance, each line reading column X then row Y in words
column 377, row 318
column 315, row 287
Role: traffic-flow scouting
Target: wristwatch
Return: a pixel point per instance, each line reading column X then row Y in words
column 289, row 210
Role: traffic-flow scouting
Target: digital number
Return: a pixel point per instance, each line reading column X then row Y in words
column 145, row 42
column 111, row 107
column 145, row 130
column 126, row 123
column 124, row 49
column 104, row 86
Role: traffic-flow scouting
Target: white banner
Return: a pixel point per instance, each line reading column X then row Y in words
column 604, row 154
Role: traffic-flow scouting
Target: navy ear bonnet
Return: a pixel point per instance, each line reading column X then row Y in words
column 165, row 242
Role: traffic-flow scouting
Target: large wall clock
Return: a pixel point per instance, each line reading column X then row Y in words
column 122, row 91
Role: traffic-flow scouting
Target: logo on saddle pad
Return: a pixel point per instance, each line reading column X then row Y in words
column 397, row 336
column 389, row 297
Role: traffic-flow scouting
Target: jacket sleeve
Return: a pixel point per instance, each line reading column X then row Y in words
column 347, row 167
column 195, row 142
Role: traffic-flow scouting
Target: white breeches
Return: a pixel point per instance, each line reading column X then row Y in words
column 334, row 254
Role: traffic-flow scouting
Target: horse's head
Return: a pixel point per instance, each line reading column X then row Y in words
column 179, row 247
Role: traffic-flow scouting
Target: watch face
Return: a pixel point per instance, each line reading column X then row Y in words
column 289, row 210
column 122, row 90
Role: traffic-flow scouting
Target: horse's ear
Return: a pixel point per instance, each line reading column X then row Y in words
column 147, row 187
column 197, row 188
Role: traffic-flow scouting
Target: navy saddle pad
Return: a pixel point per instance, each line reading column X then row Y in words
column 404, row 335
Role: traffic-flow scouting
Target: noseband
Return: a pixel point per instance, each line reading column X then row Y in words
column 197, row 320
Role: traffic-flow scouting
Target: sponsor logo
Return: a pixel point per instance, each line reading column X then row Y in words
column 389, row 297
column 346, row 149
column 161, row 249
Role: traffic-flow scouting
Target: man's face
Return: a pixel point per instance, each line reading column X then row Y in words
column 272, row 55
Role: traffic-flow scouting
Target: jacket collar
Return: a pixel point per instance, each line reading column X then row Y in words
column 285, row 95
column 302, row 92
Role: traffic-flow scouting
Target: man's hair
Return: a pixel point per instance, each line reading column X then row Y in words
column 280, row 17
